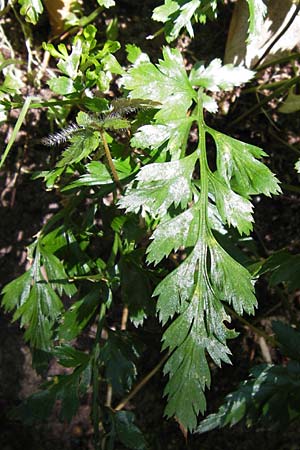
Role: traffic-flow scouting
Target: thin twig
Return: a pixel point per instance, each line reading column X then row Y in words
column 286, row 144
column 265, row 100
column 141, row 384
column 124, row 318
column 271, row 340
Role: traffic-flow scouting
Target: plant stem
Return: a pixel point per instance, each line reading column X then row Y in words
column 281, row 60
column 95, row 376
column 124, row 318
column 203, row 158
column 265, row 100
column 141, row 384
column 110, row 161
column 271, row 340
column 16, row 129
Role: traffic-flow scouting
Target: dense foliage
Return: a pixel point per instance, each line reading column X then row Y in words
column 145, row 227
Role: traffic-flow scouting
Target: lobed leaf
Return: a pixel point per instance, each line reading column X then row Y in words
column 16, row 292
column 234, row 209
column 39, row 313
column 171, row 234
column 119, row 354
column 166, row 83
column 83, row 143
column 238, row 164
column 78, row 316
column 160, row 185
column 216, row 77
column 269, row 397
column 127, row 432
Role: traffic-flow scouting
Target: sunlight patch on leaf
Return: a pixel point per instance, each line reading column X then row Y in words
column 257, row 12
column 160, row 185
column 216, row 77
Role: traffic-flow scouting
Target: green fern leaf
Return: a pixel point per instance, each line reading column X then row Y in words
column 193, row 294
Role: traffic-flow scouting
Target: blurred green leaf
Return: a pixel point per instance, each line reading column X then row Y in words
column 31, row 10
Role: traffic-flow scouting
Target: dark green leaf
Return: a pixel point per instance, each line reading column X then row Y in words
column 289, row 339
column 79, row 315
column 266, row 398
column 68, row 356
column 119, row 354
column 135, row 286
column 83, row 143
column 17, row 291
column 127, row 432
column 39, row 313
column 57, row 276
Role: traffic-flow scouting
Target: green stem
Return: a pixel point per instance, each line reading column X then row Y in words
column 42, row 104
column 271, row 340
column 95, row 379
column 17, row 127
column 110, row 161
column 280, row 60
column 203, row 163
column 265, row 100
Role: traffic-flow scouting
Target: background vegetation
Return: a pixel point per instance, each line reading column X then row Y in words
column 130, row 165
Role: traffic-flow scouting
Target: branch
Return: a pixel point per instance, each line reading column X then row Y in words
column 141, row 384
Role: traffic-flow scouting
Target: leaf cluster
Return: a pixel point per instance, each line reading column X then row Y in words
column 270, row 396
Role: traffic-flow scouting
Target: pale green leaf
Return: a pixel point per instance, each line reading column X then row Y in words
column 231, row 281
column 184, row 18
column 216, row 77
column 291, row 104
column 17, row 291
column 162, row 13
column 160, row 185
column 70, row 65
column 238, row 163
column 106, row 3
column 257, row 13
column 171, row 234
column 166, row 83
column 135, row 54
column 234, row 209
column 111, row 64
column 174, row 134
column 31, row 10
column 62, row 85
